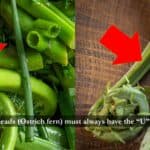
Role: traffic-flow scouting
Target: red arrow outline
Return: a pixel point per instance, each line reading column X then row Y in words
column 2, row 46
column 127, row 49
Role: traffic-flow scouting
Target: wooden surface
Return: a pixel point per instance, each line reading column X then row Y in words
column 94, row 62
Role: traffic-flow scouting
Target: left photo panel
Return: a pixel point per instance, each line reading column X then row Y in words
column 37, row 74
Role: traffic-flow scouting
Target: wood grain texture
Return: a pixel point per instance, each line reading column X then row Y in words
column 94, row 63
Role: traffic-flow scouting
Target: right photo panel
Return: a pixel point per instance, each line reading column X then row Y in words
column 113, row 74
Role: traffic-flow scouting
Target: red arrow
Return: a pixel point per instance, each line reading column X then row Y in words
column 127, row 49
column 2, row 46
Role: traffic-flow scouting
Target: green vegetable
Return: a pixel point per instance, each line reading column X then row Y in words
column 52, row 48
column 35, row 38
column 138, row 70
column 47, row 28
column 57, row 52
column 39, row 10
column 69, row 2
column 53, row 133
column 36, row 41
column 123, row 100
column 67, row 7
column 53, row 79
column 65, row 102
column 9, row 60
column 49, row 31
column 145, row 141
column 42, row 132
column 8, row 134
column 34, row 61
column 42, row 93
column 58, row 135
column 38, row 144
column 24, row 70
column 71, row 56
column 66, row 75
column 26, row 21
column 52, row 6
column 120, row 103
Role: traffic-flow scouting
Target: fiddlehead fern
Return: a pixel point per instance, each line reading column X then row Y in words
column 119, row 103
column 123, row 100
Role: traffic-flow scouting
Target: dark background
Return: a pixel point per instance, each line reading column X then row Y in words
column 94, row 62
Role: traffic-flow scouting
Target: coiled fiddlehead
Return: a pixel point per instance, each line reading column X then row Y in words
column 118, row 103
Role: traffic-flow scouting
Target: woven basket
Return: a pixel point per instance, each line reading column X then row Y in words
column 94, row 63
